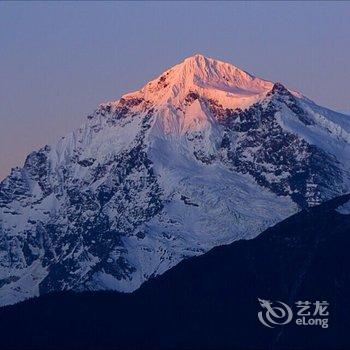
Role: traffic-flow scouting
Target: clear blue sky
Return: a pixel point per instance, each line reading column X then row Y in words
column 58, row 61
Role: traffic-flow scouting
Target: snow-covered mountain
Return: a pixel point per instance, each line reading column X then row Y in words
column 201, row 156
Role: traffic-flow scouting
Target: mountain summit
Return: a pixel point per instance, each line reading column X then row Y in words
column 228, row 85
column 231, row 86
column 203, row 155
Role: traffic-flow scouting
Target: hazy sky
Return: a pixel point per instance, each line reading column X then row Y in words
column 58, row 61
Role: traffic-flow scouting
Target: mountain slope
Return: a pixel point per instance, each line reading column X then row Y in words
column 209, row 301
column 201, row 156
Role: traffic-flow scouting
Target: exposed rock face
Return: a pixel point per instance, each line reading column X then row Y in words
column 201, row 156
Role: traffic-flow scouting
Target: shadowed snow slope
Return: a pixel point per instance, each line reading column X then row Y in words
column 201, row 156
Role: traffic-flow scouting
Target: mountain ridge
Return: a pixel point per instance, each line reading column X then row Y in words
column 209, row 301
